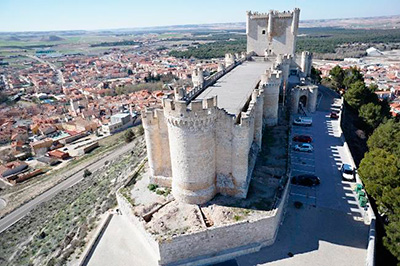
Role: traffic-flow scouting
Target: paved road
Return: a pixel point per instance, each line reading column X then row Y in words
column 19, row 213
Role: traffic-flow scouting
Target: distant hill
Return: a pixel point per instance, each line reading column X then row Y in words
column 13, row 38
column 52, row 38
column 389, row 22
column 385, row 22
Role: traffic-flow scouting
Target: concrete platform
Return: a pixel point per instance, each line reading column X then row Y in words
column 121, row 245
column 234, row 88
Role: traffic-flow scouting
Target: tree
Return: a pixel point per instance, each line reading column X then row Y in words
column 380, row 172
column 352, row 75
column 337, row 74
column 386, row 137
column 371, row 114
column 358, row 94
column 316, row 75
column 392, row 238
column 129, row 136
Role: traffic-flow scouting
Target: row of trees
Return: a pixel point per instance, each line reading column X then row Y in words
column 380, row 172
column 380, row 167
column 360, row 97
column 327, row 40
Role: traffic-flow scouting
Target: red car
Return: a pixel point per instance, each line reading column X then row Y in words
column 334, row 115
column 302, row 138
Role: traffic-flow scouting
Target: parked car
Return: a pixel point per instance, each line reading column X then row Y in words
column 334, row 115
column 306, row 180
column 304, row 147
column 303, row 121
column 302, row 138
column 348, row 172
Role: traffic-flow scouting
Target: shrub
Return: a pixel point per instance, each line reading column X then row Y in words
column 87, row 173
column 237, row 218
column 129, row 136
column 152, row 187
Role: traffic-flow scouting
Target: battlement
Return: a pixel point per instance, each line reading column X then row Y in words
column 229, row 59
column 180, row 108
column 151, row 116
column 284, row 59
column 271, row 78
column 274, row 13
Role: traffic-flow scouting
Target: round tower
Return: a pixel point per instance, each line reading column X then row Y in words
column 192, row 147
column 271, row 82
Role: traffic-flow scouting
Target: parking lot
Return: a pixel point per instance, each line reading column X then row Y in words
column 324, row 161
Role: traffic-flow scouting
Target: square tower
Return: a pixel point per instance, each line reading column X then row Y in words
column 272, row 33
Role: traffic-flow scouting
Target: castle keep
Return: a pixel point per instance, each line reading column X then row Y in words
column 272, row 33
column 206, row 141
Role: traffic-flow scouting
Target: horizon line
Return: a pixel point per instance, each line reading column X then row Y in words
column 183, row 25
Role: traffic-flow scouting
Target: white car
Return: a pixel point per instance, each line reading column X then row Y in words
column 348, row 172
column 304, row 147
column 303, row 121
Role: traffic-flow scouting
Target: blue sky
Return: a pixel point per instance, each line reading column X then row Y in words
column 41, row 15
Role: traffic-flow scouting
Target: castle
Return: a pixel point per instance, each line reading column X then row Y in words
column 206, row 141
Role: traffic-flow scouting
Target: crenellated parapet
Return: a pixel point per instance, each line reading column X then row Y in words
column 275, row 13
column 199, row 114
column 271, row 78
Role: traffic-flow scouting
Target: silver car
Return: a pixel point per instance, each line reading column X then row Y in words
column 304, row 147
